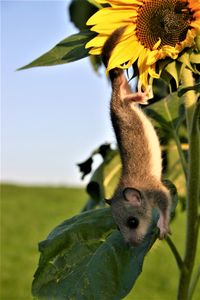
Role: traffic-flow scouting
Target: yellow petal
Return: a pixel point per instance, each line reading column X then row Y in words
column 127, row 51
column 96, row 51
column 196, row 25
column 197, row 14
column 111, row 15
column 153, row 56
column 110, row 27
column 107, row 28
column 169, row 51
column 143, row 80
column 121, row 2
column 142, row 59
column 152, row 72
column 97, row 41
column 188, row 42
column 157, row 44
column 194, row 4
column 143, row 68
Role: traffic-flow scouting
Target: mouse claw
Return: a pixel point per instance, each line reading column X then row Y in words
column 139, row 98
column 164, row 228
column 164, row 233
column 146, row 95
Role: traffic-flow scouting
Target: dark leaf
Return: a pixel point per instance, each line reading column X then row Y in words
column 68, row 50
column 104, row 149
column 85, row 167
column 94, row 190
column 96, row 62
column 167, row 113
column 86, row 258
column 160, row 89
column 80, row 11
column 105, row 178
column 80, row 260
column 183, row 90
column 90, row 204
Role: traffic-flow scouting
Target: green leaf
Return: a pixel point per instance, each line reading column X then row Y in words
column 174, row 69
column 185, row 60
column 80, row 11
column 167, row 113
column 168, row 116
column 85, row 258
column 68, row 50
column 182, row 90
column 160, row 88
column 106, row 176
column 195, row 58
column 104, row 179
column 96, row 62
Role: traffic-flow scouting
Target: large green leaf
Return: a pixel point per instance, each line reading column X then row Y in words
column 68, row 50
column 167, row 113
column 85, row 258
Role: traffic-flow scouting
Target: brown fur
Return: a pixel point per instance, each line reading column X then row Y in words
column 133, row 131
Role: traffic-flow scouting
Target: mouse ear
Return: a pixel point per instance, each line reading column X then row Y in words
column 133, row 196
column 108, row 201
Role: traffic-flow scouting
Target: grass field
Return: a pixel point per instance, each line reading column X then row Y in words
column 27, row 216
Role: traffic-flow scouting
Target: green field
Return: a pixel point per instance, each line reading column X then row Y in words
column 27, row 216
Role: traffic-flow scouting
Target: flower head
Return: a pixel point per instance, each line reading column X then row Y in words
column 154, row 29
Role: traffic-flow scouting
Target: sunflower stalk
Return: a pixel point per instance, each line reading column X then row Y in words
column 181, row 154
column 175, row 252
column 193, row 191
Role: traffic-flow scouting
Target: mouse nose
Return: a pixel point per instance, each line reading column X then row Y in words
column 132, row 243
column 135, row 240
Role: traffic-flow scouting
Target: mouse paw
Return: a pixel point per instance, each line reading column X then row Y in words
column 164, row 228
column 139, row 97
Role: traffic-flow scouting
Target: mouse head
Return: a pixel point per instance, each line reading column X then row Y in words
column 132, row 214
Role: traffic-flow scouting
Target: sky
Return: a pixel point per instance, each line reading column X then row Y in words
column 51, row 117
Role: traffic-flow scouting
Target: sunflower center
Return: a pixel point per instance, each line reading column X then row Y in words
column 168, row 20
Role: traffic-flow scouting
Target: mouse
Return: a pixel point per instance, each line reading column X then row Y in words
column 140, row 188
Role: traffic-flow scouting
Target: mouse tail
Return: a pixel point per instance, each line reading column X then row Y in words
column 107, row 50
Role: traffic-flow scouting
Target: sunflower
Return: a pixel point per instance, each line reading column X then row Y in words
column 154, row 30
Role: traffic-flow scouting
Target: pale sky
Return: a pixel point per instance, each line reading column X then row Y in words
column 52, row 117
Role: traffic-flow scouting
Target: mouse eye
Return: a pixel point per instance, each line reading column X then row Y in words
column 132, row 222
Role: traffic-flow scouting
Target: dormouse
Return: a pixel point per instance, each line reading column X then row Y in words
column 140, row 188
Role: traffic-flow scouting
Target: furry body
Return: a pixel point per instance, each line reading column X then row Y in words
column 140, row 188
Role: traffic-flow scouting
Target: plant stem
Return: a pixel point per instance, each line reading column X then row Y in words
column 189, row 97
column 178, row 143
column 181, row 155
column 194, row 283
column 175, row 252
column 193, row 191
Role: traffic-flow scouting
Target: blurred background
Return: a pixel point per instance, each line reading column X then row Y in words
column 51, row 119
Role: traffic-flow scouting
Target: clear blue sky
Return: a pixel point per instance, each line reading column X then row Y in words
column 52, row 117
